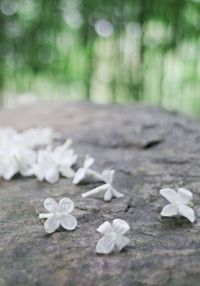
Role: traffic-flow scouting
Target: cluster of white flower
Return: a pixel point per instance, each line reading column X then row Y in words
column 51, row 163
column 30, row 153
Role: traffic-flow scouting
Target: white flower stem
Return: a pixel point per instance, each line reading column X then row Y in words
column 68, row 143
column 45, row 215
column 95, row 175
column 95, row 191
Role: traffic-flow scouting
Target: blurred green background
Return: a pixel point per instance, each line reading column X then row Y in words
column 101, row 50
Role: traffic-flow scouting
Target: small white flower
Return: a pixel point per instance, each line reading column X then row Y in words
column 65, row 158
column 50, row 164
column 85, row 170
column 59, row 214
column 180, row 203
column 25, row 159
column 113, row 236
column 110, row 192
column 37, row 136
column 16, row 159
column 16, row 150
column 7, row 136
column 46, row 167
column 61, row 150
column 8, row 166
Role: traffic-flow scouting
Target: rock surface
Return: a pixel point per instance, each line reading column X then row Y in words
column 149, row 148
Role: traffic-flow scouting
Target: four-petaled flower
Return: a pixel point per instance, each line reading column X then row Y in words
column 110, row 192
column 113, row 236
column 180, row 203
column 58, row 215
column 85, row 170
column 50, row 163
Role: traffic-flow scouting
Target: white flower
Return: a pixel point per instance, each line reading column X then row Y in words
column 65, row 158
column 59, row 215
column 60, row 150
column 46, row 167
column 7, row 135
column 113, row 235
column 180, row 203
column 29, row 138
column 50, row 164
column 110, row 192
column 18, row 155
column 85, row 170
column 15, row 159
column 25, row 158
column 16, row 151
column 38, row 136
column 8, row 166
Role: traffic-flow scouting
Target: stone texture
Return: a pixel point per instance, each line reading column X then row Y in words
column 149, row 148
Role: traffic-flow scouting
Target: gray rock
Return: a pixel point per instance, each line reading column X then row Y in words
column 149, row 148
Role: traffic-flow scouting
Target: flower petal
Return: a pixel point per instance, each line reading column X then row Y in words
column 184, row 196
column 62, row 149
column 52, row 175
column 67, row 172
column 169, row 194
column 169, row 210
column 108, row 176
column 116, row 193
column 121, row 241
column 108, row 195
column 51, row 224
column 69, row 158
column 51, row 205
column 68, row 222
column 37, row 136
column 9, row 172
column 89, row 161
column 120, row 226
column 66, row 206
column 38, row 172
column 105, row 228
column 187, row 212
column 105, row 245
column 79, row 176
column 27, row 172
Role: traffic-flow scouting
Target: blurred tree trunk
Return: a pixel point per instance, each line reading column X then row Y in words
column 141, row 20
column 87, row 34
column 2, row 56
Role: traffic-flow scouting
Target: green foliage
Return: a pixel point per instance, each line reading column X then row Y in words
column 102, row 50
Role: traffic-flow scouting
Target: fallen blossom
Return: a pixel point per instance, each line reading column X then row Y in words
column 45, row 167
column 65, row 158
column 113, row 236
column 59, row 214
column 107, row 188
column 86, row 171
column 180, row 203
column 50, row 164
